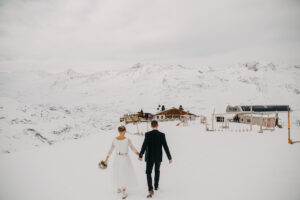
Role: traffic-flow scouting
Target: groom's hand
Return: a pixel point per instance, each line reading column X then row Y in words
column 170, row 161
column 140, row 159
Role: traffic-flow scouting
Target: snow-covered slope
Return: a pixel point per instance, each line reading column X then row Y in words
column 210, row 166
column 39, row 108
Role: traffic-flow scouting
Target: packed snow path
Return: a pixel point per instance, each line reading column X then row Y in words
column 210, row 166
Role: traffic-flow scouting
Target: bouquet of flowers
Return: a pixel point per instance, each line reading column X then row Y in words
column 102, row 165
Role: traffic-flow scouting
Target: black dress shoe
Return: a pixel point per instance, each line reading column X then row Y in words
column 156, row 188
column 150, row 194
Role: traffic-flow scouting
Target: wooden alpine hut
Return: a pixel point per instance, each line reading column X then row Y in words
column 174, row 114
column 139, row 117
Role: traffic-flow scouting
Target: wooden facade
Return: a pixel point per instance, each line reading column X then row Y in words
column 133, row 118
column 166, row 115
column 174, row 114
column 258, row 120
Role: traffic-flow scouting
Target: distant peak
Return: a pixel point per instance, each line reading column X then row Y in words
column 137, row 66
column 256, row 66
column 251, row 65
column 71, row 71
column 176, row 67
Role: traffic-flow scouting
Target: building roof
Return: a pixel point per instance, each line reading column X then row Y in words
column 266, row 108
column 258, row 108
column 174, row 111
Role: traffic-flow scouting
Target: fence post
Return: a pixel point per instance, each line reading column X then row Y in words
column 251, row 119
column 289, row 127
column 261, row 124
column 213, row 120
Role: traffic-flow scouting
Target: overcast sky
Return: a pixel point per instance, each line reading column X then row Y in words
column 94, row 34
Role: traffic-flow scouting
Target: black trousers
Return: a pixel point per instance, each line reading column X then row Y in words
column 149, row 168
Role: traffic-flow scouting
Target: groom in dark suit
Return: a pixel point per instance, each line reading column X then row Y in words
column 153, row 143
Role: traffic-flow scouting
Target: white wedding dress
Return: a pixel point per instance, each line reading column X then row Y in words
column 123, row 173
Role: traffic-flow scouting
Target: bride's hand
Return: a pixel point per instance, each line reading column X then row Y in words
column 106, row 160
column 137, row 153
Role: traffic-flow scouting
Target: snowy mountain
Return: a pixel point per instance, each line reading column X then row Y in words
column 39, row 108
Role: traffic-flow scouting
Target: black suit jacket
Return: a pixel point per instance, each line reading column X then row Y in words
column 153, row 143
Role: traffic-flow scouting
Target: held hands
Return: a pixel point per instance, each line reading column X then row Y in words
column 138, row 154
column 170, row 161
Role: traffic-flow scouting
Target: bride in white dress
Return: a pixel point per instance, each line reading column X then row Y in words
column 123, row 174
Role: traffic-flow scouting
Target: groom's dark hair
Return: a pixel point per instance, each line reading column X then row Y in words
column 154, row 124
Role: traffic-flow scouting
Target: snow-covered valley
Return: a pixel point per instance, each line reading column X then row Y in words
column 56, row 127
column 38, row 108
